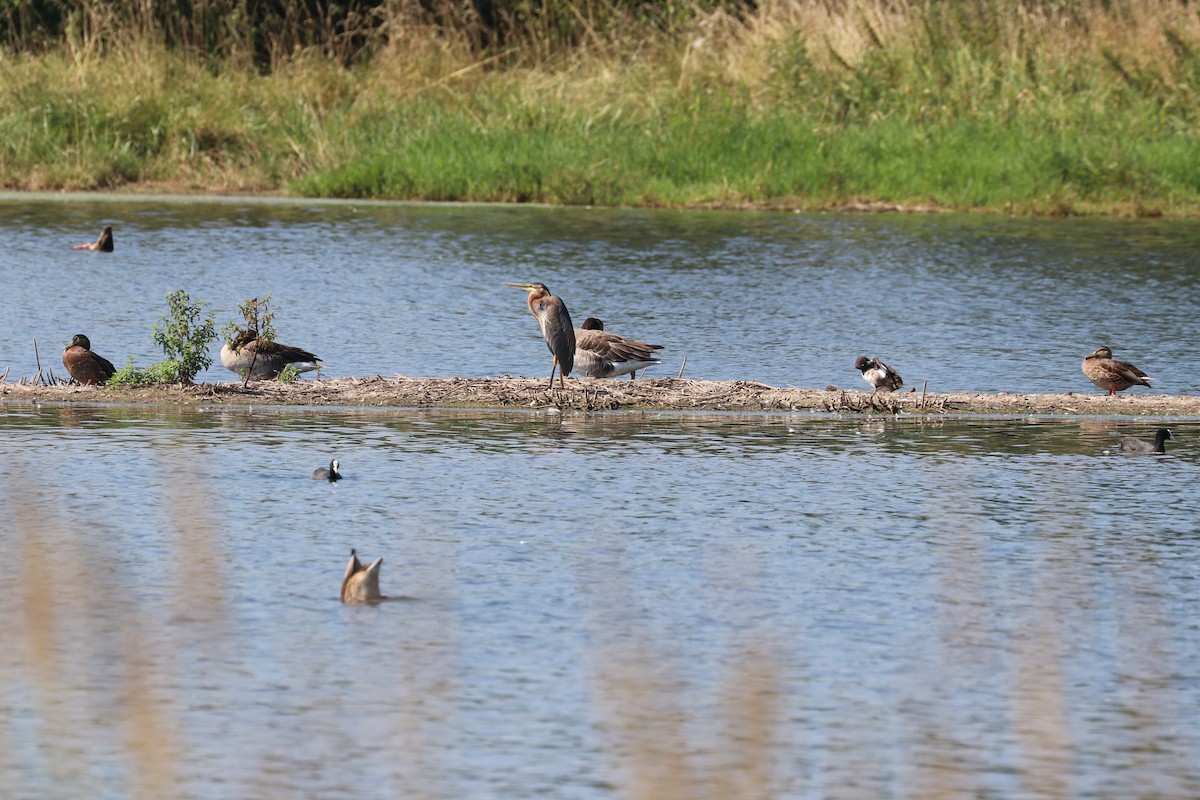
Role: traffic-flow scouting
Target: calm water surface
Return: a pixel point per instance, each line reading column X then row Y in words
column 967, row 303
column 607, row 605
column 596, row 606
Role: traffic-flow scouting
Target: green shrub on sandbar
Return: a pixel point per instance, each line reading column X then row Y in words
column 184, row 338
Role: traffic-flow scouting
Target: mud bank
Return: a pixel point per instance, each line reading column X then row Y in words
column 662, row 394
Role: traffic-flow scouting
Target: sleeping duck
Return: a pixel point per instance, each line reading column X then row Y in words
column 263, row 360
column 599, row 354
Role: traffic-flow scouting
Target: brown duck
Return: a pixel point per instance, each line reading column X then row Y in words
column 599, row 354
column 84, row 365
column 104, row 244
column 361, row 584
column 1112, row 376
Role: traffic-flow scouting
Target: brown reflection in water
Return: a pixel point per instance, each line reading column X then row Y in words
column 1056, row 597
column 427, row 668
column 79, row 634
column 664, row 738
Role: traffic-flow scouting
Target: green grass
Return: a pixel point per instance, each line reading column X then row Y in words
column 1087, row 107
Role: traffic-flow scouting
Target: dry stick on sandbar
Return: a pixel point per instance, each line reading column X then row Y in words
column 681, row 366
column 250, row 369
column 923, row 385
column 38, row 359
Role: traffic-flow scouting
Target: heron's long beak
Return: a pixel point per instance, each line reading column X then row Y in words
column 526, row 286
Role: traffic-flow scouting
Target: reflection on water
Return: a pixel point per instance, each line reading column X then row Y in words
column 965, row 303
column 595, row 605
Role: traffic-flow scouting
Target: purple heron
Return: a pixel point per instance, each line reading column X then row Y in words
column 599, row 354
column 84, row 365
column 555, row 322
column 1112, row 376
column 263, row 360
column 878, row 374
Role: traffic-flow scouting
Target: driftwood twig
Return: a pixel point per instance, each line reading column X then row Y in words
column 37, row 358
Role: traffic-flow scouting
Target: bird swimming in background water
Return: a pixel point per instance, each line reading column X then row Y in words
column 103, row 244
column 599, row 354
column 83, row 365
column 329, row 473
column 1135, row 446
column 878, row 374
column 555, row 321
column 264, row 360
column 361, row 584
column 1110, row 375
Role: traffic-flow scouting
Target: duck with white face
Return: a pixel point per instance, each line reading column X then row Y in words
column 247, row 355
column 878, row 375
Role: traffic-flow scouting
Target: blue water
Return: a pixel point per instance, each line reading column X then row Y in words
column 598, row 605
column 966, row 303
column 606, row 605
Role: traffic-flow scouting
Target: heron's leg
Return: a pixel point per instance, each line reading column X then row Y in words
column 553, row 366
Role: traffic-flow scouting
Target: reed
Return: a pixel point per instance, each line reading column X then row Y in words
column 1068, row 107
column 97, row 662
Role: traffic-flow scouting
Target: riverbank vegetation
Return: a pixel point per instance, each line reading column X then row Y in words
column 1056, row 107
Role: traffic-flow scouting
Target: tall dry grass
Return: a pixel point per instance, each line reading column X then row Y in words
column 1039, row 107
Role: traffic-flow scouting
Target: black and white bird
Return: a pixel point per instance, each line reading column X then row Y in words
column 329, row 473
column 879, row 375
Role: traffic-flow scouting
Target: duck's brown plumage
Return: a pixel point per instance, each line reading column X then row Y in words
column 84, row 365
column 600, row 354
column 103, row 244
column 1110, row 375
column 361, row 584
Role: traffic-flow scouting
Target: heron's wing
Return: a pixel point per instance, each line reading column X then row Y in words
column 555, row 321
